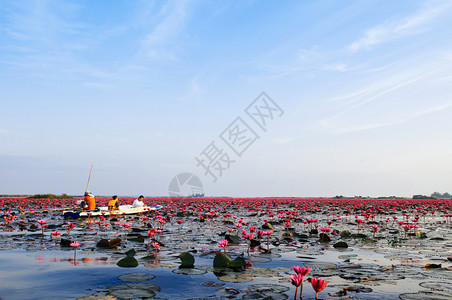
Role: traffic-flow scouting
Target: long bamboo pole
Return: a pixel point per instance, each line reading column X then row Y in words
column 89, row 178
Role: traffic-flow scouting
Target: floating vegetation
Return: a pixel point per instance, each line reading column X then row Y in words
column 133, row 291
column 239, row 242
column 189, row 271
column 133, row 277
column 424, row 296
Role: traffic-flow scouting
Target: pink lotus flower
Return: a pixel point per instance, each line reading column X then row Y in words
column 326, row 229
column 156, row 246
column 268, row 233
column 56, row 234
column 375, row 229
column 318, row 285
column 42, row 223
column 303, row 270
column 70, row 226
column 297, row 281
column 223, row 244
column 75, row 245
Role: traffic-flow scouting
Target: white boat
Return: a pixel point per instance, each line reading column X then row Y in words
column 103, row 211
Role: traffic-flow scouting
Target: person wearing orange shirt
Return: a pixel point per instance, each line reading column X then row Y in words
column 90, row 200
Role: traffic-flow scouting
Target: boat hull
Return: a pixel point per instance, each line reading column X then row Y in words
column 103, row 211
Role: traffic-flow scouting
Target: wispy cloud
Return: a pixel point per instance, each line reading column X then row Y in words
column 393, row 29
column 402, row 93
column 166, row 32
column 407, row 118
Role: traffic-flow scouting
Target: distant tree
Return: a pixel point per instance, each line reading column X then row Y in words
column 441, row 196
column 422, row 197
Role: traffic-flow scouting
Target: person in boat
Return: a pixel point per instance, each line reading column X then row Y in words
column 138, row 202
column 90, row 201
column 113, row 204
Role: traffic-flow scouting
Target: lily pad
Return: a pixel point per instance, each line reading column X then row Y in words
column 189, row 271
column 239, row 277
column 221, row 260
column 259, row 258
column 187, row 260
column 424, row 296
column 136, row 277
column 131, row 253
column 277, row 288
column 97, row 297
column 127, row 262
column 266, row 291
column 212, row 284
column 133, row 290
column 437, row 286
column 309, row 251
column 340, row 245
column 238, row 263
column 319, row 265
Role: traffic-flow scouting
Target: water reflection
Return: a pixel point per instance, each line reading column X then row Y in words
column 87, row 261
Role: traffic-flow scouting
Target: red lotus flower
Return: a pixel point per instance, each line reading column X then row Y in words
column 156, row 246
column 318, row 285
column 303, row 270
column 223, row 244
column 56, row 234
column 297, row 280
column 75, row 245
column 180, row 223
column 42, row 223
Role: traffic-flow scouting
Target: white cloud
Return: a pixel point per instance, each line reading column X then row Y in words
column 392, row 29
column 409, row 117
column 337, row 67
column 164, row 33
column 396, row 95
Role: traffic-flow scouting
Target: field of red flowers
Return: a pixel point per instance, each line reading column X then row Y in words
column 235, row 248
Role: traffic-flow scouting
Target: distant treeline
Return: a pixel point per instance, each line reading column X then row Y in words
column 442, row 196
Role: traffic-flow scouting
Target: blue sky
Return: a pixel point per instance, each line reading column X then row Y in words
column 141, row 88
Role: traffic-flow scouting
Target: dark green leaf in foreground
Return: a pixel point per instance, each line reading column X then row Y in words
column 128, row 262
column 221, row 260
column 238, row 263
column 131, row 253
column 187, row 259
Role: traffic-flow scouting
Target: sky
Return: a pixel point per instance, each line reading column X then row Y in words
column 357, row 97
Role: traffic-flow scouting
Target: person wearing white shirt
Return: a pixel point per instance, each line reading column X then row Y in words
column 138, row 202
